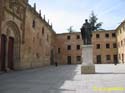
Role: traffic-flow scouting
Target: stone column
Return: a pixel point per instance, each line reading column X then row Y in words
column 87, row 60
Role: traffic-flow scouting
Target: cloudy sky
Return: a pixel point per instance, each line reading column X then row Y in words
column 66, row 13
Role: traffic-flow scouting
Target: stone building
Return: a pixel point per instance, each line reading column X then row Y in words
column 104, row 47
column 120, row 33
column 69, row 48
column 26, row 38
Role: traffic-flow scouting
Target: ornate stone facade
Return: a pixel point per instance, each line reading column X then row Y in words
column 26, row 38
column 28, row 41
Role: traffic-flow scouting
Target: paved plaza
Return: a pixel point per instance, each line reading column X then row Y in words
column 64, row 79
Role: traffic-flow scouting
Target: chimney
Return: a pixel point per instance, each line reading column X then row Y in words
column 34, row 6
column 40, row 12
column 51, row 25
column 44, row 17
column 48, row 21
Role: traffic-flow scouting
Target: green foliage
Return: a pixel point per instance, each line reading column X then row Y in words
column 93, row 22
column 70, row 29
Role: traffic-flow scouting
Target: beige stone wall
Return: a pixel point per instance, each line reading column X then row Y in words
column 120, row 31
column 62, row 43
column 103, row 51
column 53, row 48
column 32, row 44
column 36, row 44
column 36, row 50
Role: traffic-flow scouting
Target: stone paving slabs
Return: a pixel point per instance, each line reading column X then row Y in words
column 64, row 79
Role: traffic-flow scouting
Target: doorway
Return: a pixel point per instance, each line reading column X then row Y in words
column 10, row 53
column 98, row 59
column 115, row 59
column 10, row 47
column 3, row 52
column 69, row 61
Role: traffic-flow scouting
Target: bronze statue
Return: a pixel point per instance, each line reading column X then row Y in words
column 86, row 33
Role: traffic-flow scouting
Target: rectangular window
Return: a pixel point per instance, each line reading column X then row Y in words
column 107, row 35
column 97, row 36
column 78, row 47
column 91, row 35
column 107, row 45
column 98, row 46
column 58, row 50
column 78, row 36
column 114, row 45
column 68, row 37
column 108, row 57
column 33, row 24
column 43, row 30
column 78, row 58
column 69, row 47
column 113, row 35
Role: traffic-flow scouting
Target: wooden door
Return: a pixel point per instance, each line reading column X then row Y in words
column 69, row 60
column 10, row 53
column 3, row 52
column 98, row 59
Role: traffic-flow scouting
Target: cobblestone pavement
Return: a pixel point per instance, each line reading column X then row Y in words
column 64, row 79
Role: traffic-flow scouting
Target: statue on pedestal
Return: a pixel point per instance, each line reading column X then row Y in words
column 86, row 33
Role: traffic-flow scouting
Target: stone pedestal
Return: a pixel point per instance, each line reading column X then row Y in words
column 87, row 60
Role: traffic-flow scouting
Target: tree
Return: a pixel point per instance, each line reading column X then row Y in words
column 93, row 22
column 70, row 29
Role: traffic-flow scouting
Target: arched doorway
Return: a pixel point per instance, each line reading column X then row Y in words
column 10, row 46
column 10, row 53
